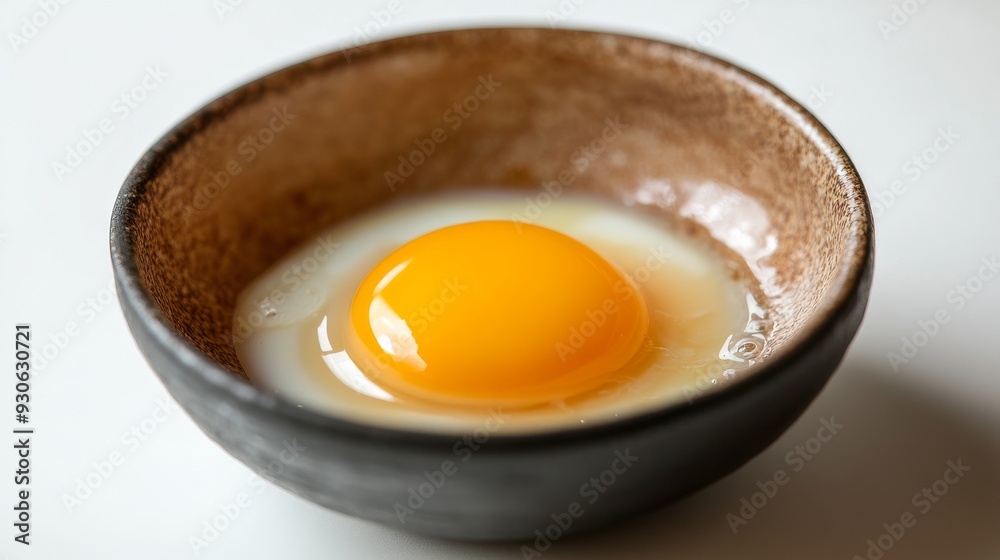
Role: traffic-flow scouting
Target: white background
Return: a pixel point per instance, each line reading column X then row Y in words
column 886, row 97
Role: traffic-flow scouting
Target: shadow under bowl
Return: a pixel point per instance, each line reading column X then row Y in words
column 703, row 144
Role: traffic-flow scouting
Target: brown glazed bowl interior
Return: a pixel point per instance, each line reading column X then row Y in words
column 705, row 145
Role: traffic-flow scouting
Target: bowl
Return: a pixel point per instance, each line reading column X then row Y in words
column 701, row 143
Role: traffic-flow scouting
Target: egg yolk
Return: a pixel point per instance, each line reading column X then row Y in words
column 495, row 312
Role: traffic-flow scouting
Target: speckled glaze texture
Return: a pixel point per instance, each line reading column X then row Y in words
column 183, row 248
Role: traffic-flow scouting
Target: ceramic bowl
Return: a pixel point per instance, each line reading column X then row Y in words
column 707, row 146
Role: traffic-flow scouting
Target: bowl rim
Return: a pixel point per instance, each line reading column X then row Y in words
column 847, row 292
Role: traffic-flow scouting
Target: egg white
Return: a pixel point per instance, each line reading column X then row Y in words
column 684, row 282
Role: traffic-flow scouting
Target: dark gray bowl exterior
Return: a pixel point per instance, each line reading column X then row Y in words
column 512, row 485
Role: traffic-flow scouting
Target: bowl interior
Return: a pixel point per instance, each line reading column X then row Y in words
column 708, row 147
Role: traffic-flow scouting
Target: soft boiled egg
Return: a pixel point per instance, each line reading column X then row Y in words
column 432, row 313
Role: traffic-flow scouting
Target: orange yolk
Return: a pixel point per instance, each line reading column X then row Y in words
column 495, row 312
